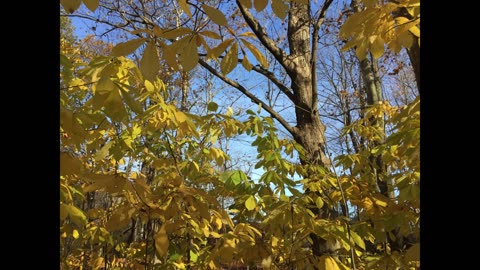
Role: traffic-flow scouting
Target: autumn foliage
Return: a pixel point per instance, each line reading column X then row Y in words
column 144, row 182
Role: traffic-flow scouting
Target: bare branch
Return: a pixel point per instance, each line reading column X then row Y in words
column 315, row 37
column 266, row 41
column 269, row 75
column 247, row 93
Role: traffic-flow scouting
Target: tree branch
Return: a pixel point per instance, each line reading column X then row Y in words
column 263, row 37
column 247, row 93
column 269, row 75
column 315, row 37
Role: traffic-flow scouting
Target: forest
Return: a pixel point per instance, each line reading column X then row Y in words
column 246, row 134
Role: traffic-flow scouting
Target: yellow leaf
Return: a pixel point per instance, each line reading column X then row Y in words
column 415, row 31
column 279, row 8
column 91, row 4
column 174, row 33
column 357, row 239
column 246, row 3
column 76, row 215
column 267, row 263
column 70, row 5
column 120, row 218
column 114, row 107
column 370, row 3
column 128, row 47
column 169, row 55
column 327, row 263
column 250, row 203
column 150, row 64
column 274, row 241
column 69, row 164
column 75, row 234
column 248, row 34
column 189, row 55
column 161, row 241
column 413, row 253
column 215, row 15
column 246, row 64
column 103, row 152
column 184, row 6
column 63, row 211
column 217, row 51
column 99, row 263
column 361, row 50
column 260, row 4
column 230, row 61
column 258, row 55
column 319, row 202
column 405, row 39
column 180, row 116
column 210, row 34
column 377, row 47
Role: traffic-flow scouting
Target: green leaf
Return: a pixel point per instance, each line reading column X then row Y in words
column 235, row 177
column 215, row 15
column 128, row 47
column 150, row 64
column 161, row 241
column 70, row 5
column 280, row 9
column 230, row 61
column 258, row 55
column 212, row 106
column 250, row 203
column 91, row 4
column 260, row 4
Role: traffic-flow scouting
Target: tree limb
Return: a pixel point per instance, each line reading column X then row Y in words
column 269, row 75
column 257, row 29
column 315, row 37
column 247, row 93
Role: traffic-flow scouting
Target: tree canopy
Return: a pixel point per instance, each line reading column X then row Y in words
column 166, row 164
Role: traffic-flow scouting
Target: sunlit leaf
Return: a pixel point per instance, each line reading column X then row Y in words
column 230, row 61
column 210, row 34
column 128, row 47
column 250, row 203
column 266, row 263
column 258, row 55
column 246, row 64
column 215, row 15
column 327, row 263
